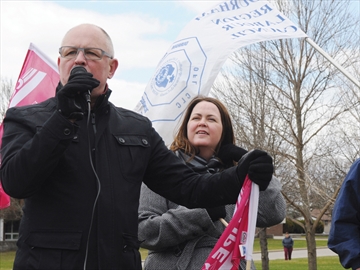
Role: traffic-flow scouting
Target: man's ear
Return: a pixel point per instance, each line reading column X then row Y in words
column 112, row 67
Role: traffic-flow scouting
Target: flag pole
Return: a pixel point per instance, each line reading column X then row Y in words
column 328, row 57
column 253, row 210
column 223, row 221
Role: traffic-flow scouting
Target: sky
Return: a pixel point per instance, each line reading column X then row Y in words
column 141, row 31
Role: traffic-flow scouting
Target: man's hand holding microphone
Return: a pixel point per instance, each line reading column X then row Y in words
column 72, row 97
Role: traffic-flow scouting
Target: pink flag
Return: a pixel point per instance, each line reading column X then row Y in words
column 4, row 198
column 37, row 81
column 235, row 240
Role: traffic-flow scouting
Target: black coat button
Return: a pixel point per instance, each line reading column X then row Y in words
column 145, row 142
column 67, row 131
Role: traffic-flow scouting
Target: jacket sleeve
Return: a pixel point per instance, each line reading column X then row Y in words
column 344, row 237
column 163, row 224
column 272, row 205
column 31, row 148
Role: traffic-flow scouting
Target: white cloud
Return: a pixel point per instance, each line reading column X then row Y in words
column 140, row 39
column 44, row 23
column 200, row 5
column 125, row 94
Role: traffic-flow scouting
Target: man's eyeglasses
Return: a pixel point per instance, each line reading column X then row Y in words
column 70, row 52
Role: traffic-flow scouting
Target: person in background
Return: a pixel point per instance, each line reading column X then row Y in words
column 79, row 161
column 288, row 244
column 344, row 236
column 181, row 238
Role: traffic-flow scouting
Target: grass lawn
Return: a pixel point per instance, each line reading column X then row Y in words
column 276, row 244
column 6, row 260
column 324, row 263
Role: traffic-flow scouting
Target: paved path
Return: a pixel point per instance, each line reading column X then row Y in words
column 297, row 253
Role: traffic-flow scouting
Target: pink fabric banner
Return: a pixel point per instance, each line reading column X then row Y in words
column 232, row 245
column 4, row 198
column 37, row 81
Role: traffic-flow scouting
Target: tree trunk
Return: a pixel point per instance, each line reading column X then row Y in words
column 311, row 245
column 264, row 249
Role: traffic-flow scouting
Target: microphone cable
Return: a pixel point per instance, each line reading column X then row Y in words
column 87, row 96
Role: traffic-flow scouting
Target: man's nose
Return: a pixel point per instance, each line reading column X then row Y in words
column 80, row 58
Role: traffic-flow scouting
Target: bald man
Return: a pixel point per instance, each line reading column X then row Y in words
column 79, row 161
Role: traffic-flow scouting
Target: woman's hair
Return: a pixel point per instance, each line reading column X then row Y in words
column 181, row 141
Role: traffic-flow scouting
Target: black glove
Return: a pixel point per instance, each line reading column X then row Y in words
column 216, row 212
column 229, row 153
column 258, row 165
column 71, row 100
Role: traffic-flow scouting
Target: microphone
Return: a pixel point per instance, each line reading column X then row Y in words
column 78, row 69
column 81, row 69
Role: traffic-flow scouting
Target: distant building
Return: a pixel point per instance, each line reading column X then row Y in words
column 276, row 230
column 9, row 224
column 326, row 219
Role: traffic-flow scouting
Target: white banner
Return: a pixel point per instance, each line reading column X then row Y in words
column 193, row 61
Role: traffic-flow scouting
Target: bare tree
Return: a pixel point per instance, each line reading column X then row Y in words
column 264, row 249
column 14, row 212
column 251, row 117
column 288, row 99
column 5, row 94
